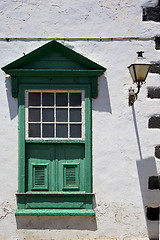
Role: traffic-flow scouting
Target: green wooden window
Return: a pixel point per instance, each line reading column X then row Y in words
column 55, row 87
column 57, row 161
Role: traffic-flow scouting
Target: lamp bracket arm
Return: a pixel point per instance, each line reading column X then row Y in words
column 139, row 87
column 133, row 95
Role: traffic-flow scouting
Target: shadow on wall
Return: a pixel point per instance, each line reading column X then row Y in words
column 102, row 103
column 146, row 168
column 12, row 102
column 57, row 222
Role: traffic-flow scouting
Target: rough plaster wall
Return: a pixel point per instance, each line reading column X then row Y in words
column 123, row 146
column 72, row 18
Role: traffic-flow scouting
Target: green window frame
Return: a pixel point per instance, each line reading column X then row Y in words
column 54, row 174
column 62, row 197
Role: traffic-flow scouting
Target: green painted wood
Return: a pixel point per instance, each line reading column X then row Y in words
column 14, row 84
column 47, row 50
column 71, row 81
column 71, row 176
column 56, row 155
column 39, row 176
column 21, row 144
column 51, row 60
column 52, row 72
column 55, row 212
column 16, row 81
column 61, row 86
column 77, row 180
column 21, row 200
column 55, row 80
column 37, row 154
column 54, row 60
column 54, row 201
column 88, row 140
column 94, row 87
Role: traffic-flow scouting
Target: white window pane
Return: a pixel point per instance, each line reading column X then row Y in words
column 75, row 99
column 62, row 131
column 75, row 131
column 47, row 99
column 62, row 99
column 47, row 115
column 34, row 99
column 34, row 115
column 54, row 114
column 34, row 130
column 61, row 115
column 75, row 115
column 48, row 130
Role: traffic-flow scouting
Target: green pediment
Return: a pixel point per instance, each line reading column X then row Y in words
column 53, row 59
column 53, row 63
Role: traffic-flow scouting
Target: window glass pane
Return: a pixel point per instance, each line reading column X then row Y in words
column 34, row 99
column 62, row 130
column 34, row 130
column 34, row 115
column 47, row 108
column 75, row 115
column 47, row 130
column 61, row 115
column 75, row 131
column 47, row 99
column 62, row 99
column 75, row 99
column 47, row 115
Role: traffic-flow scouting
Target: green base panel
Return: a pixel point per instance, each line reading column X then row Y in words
column 55, row 212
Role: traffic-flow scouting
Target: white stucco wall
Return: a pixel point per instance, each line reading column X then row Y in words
column 123, row 146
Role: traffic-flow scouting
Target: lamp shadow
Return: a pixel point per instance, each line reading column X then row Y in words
column 102, row 103
column 146, row 168
column 57, row 222
column 12, row 102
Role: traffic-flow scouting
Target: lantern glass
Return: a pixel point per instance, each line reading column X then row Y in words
column 139, row 72
column 132, row 72
column 139, row 69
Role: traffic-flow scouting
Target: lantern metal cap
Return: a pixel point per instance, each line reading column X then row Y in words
column 140, row 59
column 139, row 69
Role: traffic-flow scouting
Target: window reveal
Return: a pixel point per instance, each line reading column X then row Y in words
column 54, row 115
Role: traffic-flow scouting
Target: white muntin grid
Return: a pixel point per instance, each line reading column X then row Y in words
column 54, row 107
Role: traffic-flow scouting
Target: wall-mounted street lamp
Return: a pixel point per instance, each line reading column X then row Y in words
column 139, row 71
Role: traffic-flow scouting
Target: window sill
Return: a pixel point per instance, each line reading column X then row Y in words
column 55, row 204
column 55, row 141
column 55, row 193
column 55, row 212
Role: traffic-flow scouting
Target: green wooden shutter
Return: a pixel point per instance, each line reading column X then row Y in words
column 71, row 177
column 40, row 177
